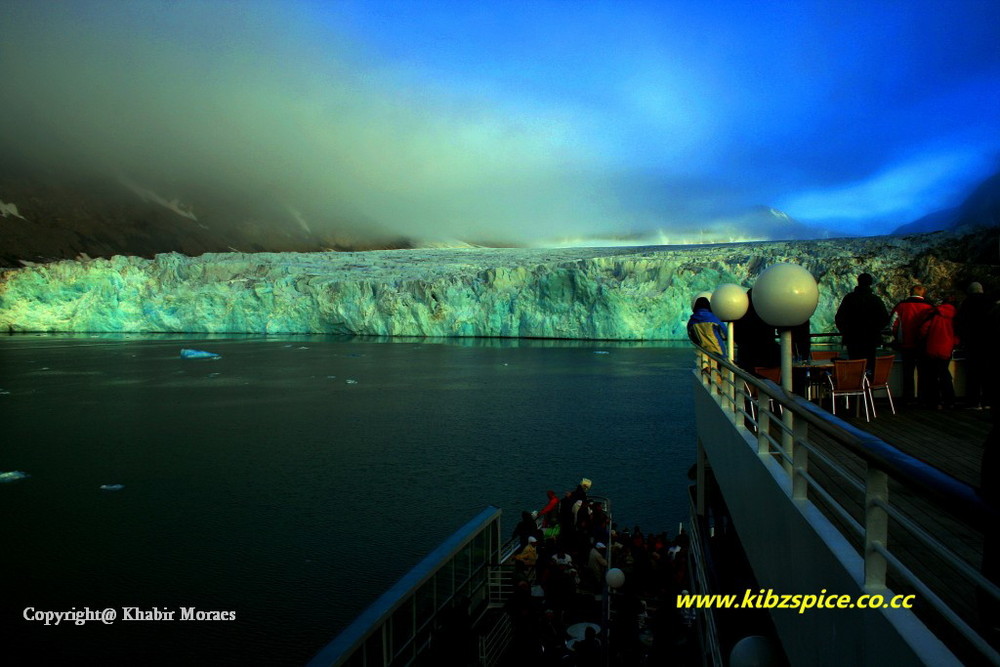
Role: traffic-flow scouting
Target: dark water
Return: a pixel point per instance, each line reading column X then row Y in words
column 294, row 479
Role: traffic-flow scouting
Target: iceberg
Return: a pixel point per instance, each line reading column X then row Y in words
column 198, row 354
column 639, row 293
column 112, row 487
column 12, row 476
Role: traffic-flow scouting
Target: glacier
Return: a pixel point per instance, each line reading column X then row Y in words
column 637, row 293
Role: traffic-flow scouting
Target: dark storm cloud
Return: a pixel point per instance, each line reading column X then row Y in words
column 518, row 121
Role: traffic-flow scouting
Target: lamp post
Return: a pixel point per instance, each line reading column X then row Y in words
column 785, row 296
column 729, row 303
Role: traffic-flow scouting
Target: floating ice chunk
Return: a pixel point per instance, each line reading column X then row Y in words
column 9, row 209
column 601, row 352
column 112, row 487
column 351, row 382
column 198, row 354
column 12, row 476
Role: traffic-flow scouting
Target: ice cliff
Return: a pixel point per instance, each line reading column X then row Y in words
column 638, row 293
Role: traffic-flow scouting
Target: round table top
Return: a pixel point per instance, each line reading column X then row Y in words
column 579, row 630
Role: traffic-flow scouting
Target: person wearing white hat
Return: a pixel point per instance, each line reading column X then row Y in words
column 597, row 562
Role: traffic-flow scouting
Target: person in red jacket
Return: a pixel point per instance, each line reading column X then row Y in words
column 906, row 320
column 548, row 513
column 938, row 332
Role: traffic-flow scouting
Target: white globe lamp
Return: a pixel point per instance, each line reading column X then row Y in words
column 729, row 302
column 753, row 651
column 785, row 295
column 615, row 578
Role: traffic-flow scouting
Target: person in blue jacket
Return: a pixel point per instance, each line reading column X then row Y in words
column 705, row 329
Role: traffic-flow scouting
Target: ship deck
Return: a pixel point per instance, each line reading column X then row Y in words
column 949, row 440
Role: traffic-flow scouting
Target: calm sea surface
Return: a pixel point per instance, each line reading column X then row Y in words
column 296, row 478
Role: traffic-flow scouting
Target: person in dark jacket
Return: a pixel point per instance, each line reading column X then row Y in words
column 756, row 343
column 938, row 332
column 705, row 329
column 861, row 318
column 525, row 529
column 906, row 319
column 971, row 327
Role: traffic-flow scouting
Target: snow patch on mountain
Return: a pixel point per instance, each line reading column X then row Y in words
column 148, row 195
column 9, row 209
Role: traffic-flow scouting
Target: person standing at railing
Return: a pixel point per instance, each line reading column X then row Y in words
column 705, row 329
column 938, row 333
column 861, row 317
column 549, row 513
column 970, row 324
column 526, row 529
column 906, row 318
column 756, row 343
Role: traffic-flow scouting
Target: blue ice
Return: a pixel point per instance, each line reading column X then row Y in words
column 198, row 354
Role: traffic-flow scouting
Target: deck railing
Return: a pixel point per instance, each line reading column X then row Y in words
column 401, row 623
column 787, row 427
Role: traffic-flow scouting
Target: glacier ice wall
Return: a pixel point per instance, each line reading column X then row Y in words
column 638, row 293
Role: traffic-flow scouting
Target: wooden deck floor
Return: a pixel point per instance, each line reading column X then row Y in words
column 950, row 440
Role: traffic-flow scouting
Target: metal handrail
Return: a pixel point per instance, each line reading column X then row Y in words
column 957, row 496
column 882, row 461
column 377, row 618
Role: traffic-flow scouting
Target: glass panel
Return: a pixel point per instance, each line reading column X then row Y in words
column 373, row 650
column 402, row 627
column 425, row 602
column 462, row 560
column 444, row 582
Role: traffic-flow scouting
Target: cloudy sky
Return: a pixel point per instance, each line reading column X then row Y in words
column 521, row 120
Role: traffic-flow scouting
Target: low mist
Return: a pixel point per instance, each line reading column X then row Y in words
column 255, row 104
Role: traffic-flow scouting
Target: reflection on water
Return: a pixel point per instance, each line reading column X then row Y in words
column 296, row 477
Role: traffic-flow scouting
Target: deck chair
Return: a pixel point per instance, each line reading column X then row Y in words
column 880, row 380
column 773, row 374
column 849, row 379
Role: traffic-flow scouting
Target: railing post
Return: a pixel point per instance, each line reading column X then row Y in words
column 700, row 480
column 800, row 461
column 740, row 399
column 730, row 377
column 876, row 527
column 763, row 427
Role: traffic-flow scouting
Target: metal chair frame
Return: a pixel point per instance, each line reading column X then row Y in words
column 880, row 379
column 849, row 379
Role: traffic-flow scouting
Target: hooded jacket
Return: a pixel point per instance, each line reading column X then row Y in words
column 907, row 318
column 707, row 331
column 938, row 331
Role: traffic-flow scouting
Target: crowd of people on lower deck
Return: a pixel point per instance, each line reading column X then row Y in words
column 564, row 554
